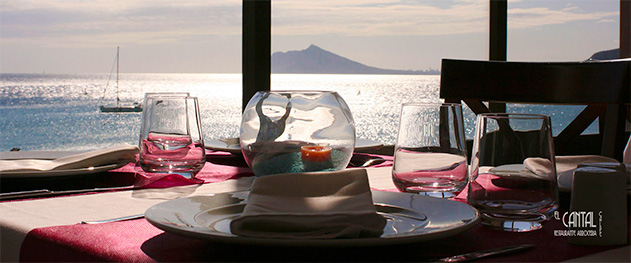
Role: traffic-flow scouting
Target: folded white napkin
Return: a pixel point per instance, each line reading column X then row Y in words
column 117, row 154
column 565, row 166
column 315, row 205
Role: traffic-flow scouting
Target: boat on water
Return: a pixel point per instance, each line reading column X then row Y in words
column 136, row 107
column 120, row 107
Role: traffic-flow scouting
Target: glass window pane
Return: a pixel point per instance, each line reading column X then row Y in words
column 57, row 67
column 560, row 115
column 397, row 35
column 562, row 30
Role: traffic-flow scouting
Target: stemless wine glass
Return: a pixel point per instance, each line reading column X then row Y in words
column 513, row 171
column 297, row 131
column 147, row 106
column 171, row 139
column 430, row 152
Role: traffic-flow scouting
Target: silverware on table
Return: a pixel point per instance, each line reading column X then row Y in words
column 124, row 218
column 365, row 161
column 46, row 192
column 484, row 253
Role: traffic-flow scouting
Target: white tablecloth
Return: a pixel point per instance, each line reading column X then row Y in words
column 19, row 217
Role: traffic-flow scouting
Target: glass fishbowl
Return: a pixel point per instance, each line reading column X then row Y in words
column 297, row 131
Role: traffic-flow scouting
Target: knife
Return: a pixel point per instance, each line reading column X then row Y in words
column 118, row 219
column 46, row 192
column 483, row 254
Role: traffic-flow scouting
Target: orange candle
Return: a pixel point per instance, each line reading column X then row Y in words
column 317, row 153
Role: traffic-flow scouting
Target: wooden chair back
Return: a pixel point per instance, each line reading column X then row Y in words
column 602, row 86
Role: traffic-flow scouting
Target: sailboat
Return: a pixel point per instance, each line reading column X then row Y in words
column 136, row 107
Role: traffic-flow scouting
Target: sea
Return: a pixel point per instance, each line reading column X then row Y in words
column 61, row 111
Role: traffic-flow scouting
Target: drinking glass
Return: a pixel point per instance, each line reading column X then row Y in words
column 146, row 103
column 513, row 171
column 430, row 152
column 171, row 139
column 297, row 131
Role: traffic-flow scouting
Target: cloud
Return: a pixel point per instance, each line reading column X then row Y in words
column 415, row 18
column 102, row 23
column 105, row 22
column 112, row 6
column 371, row 18
column 606, row 21
column 520, row 18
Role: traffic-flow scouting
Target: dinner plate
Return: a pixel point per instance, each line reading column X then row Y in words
column 566, row 178
column 50, row 155
column 410, row 218
column 232, row 145
column 226, row 145
column 42, row 155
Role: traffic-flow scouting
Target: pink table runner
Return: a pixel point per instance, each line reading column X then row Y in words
column 220, row 166
column 139, row 241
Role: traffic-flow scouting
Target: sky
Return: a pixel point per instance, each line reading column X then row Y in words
column 201, row 36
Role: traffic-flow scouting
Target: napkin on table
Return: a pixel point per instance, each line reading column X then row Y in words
column 112, row 155
column 315, row 205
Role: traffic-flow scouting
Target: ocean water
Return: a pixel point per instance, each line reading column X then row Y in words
column 61, row 112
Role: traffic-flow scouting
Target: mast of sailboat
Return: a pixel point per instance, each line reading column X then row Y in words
column 117, row 97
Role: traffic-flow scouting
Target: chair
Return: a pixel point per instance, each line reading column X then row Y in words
column 602, row 86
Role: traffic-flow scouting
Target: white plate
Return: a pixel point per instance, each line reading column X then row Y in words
column 227, row 145
column 565, row 180
column 50, row 155
column 411, row 218
column 232, row 145
column 42, row 155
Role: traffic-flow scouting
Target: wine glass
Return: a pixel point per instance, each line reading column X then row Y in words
column 171, row 139
column 430, row 154
column 513, row 171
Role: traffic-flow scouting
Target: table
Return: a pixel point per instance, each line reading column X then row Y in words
column 48, row 229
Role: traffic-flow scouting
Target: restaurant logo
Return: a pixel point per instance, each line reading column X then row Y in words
column 580, row 224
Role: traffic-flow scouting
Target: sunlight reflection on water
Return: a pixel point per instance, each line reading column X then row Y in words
column 60, row 112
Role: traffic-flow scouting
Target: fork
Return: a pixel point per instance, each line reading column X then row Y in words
column 117, row 219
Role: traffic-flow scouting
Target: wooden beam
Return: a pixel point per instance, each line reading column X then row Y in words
column 579, row 124
column 256, row 49
column 498, row 29
column 498, row 39
column 625, row 28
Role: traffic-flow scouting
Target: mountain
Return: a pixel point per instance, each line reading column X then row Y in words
column 315, row 60
column 606, row 54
